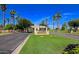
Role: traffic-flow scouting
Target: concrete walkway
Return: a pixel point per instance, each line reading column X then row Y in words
column 66, row 35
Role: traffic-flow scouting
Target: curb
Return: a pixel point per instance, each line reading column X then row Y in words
column 18, row 49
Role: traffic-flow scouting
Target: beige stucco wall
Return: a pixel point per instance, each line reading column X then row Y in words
column 37, row 32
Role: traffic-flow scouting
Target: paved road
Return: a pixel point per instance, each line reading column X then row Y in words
column 66, row 35
column 9, row 42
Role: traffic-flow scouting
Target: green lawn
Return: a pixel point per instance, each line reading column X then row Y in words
column 48, row 44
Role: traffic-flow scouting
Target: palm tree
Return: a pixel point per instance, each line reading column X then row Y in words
column 18, row 18
column 8, row 20
column 12, row 13
column 42, row 23
column 46, row 22
column 58, row 16
column 3, row 8
column 54, row 19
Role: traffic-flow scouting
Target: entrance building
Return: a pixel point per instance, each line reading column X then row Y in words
column 40, row 30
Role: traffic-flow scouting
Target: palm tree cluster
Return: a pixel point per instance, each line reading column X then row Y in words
column 56, row 18
column 22, row 23
column 11, row 20
column 3, row 7
column 12, row 13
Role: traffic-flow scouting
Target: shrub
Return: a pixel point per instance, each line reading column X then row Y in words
column 71, row 49
column 8, row 27
column 63, row 28
column 18, row 27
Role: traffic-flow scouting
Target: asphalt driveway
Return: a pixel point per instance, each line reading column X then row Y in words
column 66, row 35
column 9, row 42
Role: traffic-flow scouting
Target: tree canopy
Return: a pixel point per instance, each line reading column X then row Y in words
column 24, row 23
column 74, row 23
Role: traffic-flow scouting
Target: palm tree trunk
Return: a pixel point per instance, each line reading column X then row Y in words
column 53, row 25
column 13, row 22
column 3, row 14
column 11, row 19
column 8, row 21
column 58, row 25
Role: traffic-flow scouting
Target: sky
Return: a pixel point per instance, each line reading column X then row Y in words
column 38, row 12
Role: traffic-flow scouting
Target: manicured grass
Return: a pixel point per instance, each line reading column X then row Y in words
column 49, row 44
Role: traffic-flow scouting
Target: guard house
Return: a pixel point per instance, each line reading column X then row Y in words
column 40, row 30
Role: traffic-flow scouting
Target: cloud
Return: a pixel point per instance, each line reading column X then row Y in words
column 68, row 13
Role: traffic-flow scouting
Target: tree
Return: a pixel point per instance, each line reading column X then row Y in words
column 46, row 22
column 24, row 23
column 17, row 18
column 8, row 20
column 3, row 8
column 57, row 18
column 12, row 13
column 54, row 19
column 42, row 23
column 17, row 27
column 64, row 26
column 71, row 23
column 74, row 24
